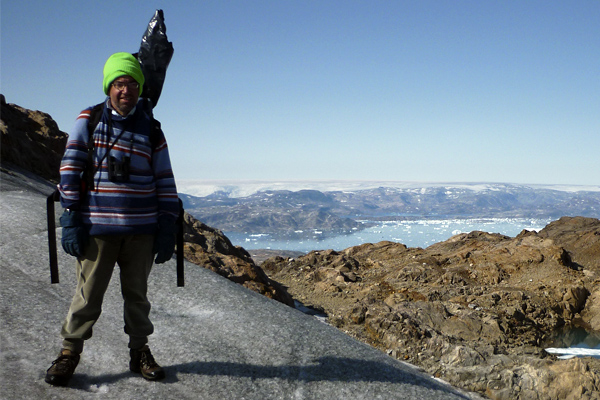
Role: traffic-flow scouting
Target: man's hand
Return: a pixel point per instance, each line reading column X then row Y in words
column 74, row 233
column 164, row 242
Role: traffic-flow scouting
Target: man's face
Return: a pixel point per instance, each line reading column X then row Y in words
column 124, row 94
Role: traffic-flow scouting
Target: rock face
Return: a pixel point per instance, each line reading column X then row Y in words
column 475, row 310
column 31, row 140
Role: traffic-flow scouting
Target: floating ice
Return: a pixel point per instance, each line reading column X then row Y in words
column 566, row 353
column 416, row 233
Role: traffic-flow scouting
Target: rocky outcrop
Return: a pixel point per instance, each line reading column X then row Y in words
column 476, row 310
column 579, row 236
column 209, row 248
column 31, row 140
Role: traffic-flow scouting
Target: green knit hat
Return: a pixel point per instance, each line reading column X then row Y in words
column 120, row 64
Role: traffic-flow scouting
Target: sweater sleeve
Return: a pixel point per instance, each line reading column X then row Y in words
column 168, row 200
column 74, row 162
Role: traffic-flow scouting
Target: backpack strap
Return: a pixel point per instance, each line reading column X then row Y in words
column 95, row 116
column 88, row 174
column 155, row 133
column 155, row 129
column 93, row 121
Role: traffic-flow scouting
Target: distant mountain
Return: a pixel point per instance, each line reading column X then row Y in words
column 288, row 213
column 280, row 213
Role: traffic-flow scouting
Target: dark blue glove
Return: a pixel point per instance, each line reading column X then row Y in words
column 164, row 242
column 74, row 233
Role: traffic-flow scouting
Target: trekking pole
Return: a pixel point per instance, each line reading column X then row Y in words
column 180, row 272
column 55, row 196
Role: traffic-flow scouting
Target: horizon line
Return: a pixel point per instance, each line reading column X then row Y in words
column 244, row 188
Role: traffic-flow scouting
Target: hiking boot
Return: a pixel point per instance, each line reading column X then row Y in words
column 142, row 361
column 62, row 368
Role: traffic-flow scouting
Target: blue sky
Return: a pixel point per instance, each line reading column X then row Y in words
column 435, row 91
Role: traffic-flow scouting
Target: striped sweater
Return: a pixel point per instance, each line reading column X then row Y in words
column 131, row 207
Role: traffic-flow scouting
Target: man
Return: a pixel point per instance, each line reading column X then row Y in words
column 123, row 213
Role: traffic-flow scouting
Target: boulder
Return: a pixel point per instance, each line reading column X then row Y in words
column 591, row 313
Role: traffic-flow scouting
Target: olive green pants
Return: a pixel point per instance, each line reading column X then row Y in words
column 133, row 254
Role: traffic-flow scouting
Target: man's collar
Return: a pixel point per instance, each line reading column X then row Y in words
column 114, row 112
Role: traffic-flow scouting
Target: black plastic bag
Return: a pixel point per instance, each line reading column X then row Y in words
column 154, row 57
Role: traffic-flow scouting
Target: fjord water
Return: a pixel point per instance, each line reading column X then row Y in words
column 574, row 342
column 412, row 233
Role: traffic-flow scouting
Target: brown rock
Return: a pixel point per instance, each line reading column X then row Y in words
column 574, row 299
column 580, row 237
column 572, row 380
column 591, row 313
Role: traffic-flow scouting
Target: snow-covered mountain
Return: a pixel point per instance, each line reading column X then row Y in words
column 338, row 207
column 236, row 189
